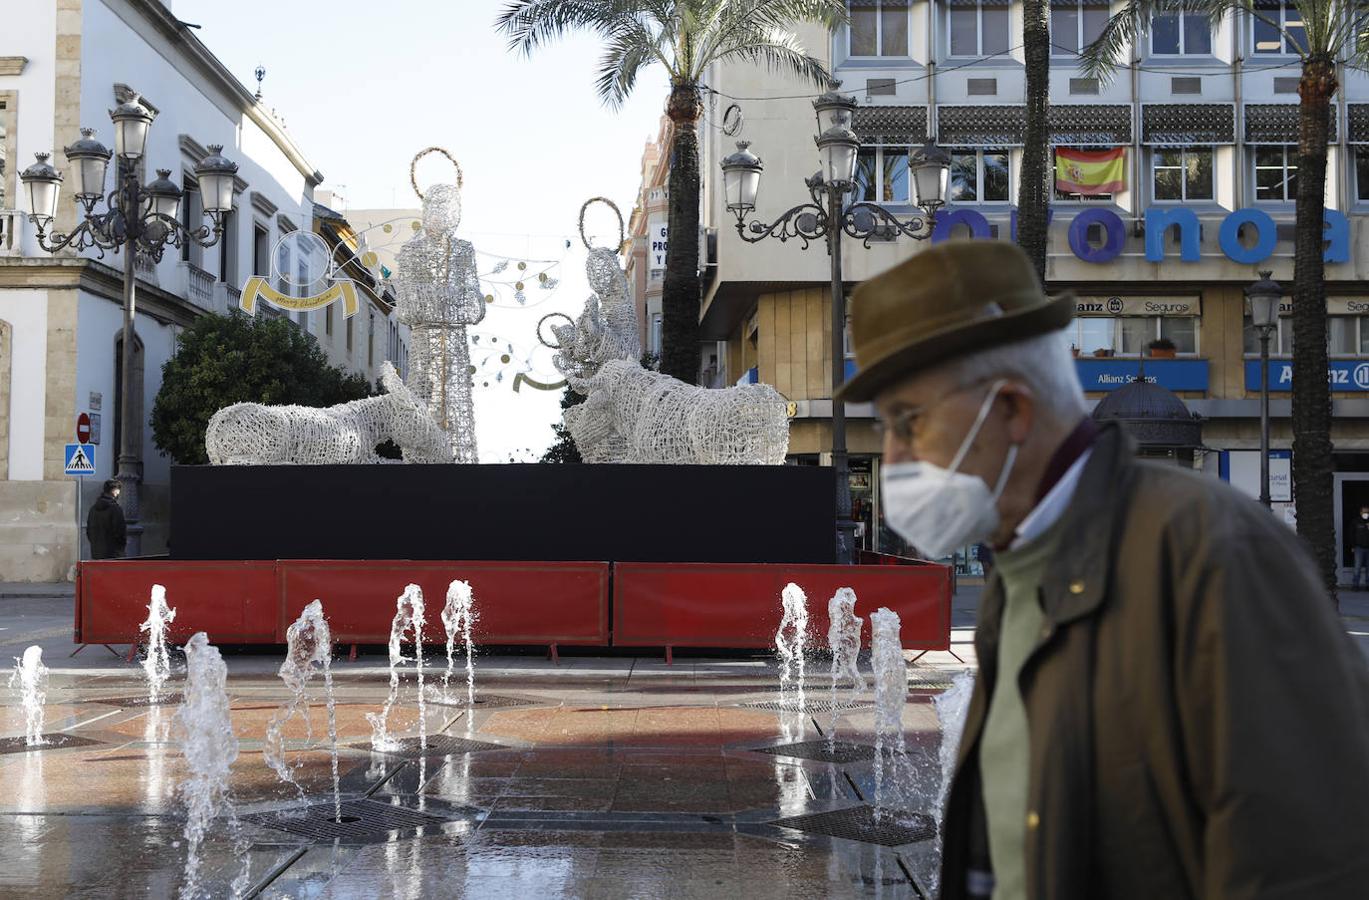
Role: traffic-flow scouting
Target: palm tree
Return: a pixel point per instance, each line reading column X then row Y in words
column 1033, row 188
column 1329, row 30
column 684, row 37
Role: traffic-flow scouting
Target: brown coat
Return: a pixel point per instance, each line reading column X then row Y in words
column 1199, row 719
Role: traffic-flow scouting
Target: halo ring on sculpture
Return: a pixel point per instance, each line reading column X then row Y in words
column 303, row 245
column 622, row 227
column 413, row 167
column 540, row 339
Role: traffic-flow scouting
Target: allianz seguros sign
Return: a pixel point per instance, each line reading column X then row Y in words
column 1138, row 306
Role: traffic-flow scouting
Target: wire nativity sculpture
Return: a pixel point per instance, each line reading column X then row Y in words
column 439, row 294
column 252, row 434
column 637, row 415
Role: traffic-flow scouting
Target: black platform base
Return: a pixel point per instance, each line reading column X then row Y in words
column 760, row 514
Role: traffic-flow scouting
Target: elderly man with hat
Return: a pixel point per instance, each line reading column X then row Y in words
column 1168, row 706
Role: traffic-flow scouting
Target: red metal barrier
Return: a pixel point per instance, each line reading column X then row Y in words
column 232, row 602
column 706, row 605
column 518, row 602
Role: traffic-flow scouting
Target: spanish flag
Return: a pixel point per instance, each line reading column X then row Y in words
column 1090, row 172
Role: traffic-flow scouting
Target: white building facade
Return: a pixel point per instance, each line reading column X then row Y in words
column 1205, row 121
column 63, row 65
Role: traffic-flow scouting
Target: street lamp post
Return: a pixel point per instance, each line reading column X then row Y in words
column 138, row 218
column 827, row 218
column 1264, row 296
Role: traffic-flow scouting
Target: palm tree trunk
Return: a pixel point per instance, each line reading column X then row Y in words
column 1033, row 199
column 680, row 293
column 1312, row 466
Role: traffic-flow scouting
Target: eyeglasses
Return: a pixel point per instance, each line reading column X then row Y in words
column 903, row 424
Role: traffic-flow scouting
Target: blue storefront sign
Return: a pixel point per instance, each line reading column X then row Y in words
column 1344, row 375
column 1111, row 374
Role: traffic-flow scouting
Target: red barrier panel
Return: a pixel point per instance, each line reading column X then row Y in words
column 232, row 602
column 706, row 605
column 517, row 602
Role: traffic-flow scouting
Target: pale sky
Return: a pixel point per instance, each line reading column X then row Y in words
column 362, row 87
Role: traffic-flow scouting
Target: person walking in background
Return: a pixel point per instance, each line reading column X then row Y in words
column 105, row 524
column 1361, row 549
column 1168, row 705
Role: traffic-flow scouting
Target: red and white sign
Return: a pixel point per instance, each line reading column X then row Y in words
column 83, row 428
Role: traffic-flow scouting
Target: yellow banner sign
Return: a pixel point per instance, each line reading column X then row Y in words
column 257, row 286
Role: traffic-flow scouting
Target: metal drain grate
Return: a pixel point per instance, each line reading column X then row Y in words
column 438, row 745
column 58, row 741
column 488, row 701
column 362, row 822
column 809, row 706
column 142, row 700
column 858, row 824
column 938, row 681
column 820, row 751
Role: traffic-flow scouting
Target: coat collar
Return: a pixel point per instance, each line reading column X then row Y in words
column 1077, row 578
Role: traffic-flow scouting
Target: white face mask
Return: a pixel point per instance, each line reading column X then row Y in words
column 937, row 510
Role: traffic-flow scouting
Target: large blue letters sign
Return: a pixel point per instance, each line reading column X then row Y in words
column 1349, row 375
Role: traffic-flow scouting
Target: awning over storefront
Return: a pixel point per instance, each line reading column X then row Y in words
column 1275, row 123
column 1187, row 124
column 1071, row 125
column 890, row 124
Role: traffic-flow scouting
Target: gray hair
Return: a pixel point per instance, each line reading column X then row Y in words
column 1045, row 363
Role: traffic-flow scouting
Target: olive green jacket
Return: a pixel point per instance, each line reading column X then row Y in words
column 1199, row 719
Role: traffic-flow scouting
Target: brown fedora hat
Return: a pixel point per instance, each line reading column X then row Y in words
column 947, row 301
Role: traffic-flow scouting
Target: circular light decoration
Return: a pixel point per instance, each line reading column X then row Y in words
column 303, row 264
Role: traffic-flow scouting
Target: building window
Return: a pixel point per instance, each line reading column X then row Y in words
column 882, row 175
column 328, row 320
column 1362, row 174
column 370, row 338
column 1075, row 24
column 1276, row 173
column 977, row 28
column 1345, row 336
column 980, row 176
column 1182, row 174
column 1066, row 196
column 1180, row 34
column 656, row 334
column 350, row 320
column 191, row 252
column 228, row 249
column 261, row 251
column 6, row 132
column 1132, row 335
column 1271, row 40
column 879, row 28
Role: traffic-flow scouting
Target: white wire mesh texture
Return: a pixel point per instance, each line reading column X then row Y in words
column 636, row 415
column 439, row 294
column 252, row 434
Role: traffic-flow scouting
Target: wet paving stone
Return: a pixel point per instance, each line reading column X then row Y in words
column 859, row 823
column 47, row 742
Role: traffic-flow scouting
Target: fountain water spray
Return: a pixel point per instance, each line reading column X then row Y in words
column 209, row 747
column 32, row 678
column 843, row 638
column 791, row 640
column 408, row 618
column 157, row 664
column 891, row 693
column 952, row 705
column 458, row 615
column 309, row 647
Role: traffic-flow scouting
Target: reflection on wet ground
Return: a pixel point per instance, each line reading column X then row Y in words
column 600, row 778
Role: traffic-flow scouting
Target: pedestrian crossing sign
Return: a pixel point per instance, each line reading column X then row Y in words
column 80, row 459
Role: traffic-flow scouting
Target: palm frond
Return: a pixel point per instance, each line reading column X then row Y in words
column 630, row 49
column 530, row 24
column 779, row 52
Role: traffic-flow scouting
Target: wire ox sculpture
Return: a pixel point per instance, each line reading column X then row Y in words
column 636, row 415
column 439, row 294
column 253, row 434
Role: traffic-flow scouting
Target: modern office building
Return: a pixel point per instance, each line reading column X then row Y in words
column 1197, row 145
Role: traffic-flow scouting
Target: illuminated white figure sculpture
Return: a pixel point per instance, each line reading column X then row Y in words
column 251, row 434
column 439, row 295
column 636, row 415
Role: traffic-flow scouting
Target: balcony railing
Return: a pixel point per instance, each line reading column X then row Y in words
column 10, row 222
column 199, row 286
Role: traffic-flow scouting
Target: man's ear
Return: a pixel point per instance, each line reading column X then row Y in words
column 1022, row 412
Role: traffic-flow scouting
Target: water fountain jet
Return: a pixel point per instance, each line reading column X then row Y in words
column 32, row 678
column 891, row 693
column 309, row 648
column 157, row 663
column 843, row 639
column 458, row 616
column 209, row 747
column 791, row 641
column 408, row 618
